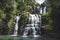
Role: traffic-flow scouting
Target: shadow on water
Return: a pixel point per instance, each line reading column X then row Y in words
column 19, row 38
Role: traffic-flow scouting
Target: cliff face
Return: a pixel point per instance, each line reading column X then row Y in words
column 3, row 27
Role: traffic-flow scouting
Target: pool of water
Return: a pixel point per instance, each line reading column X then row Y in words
column 24, row 38
column 19, row 38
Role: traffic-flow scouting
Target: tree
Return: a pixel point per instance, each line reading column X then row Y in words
column 55, row 13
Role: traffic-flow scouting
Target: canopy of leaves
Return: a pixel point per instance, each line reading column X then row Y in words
column 8, row 9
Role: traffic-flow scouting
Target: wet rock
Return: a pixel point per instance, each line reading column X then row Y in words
column 3, row 27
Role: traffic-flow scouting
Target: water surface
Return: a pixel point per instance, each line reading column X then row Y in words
column 19, row 38
column 8, row 37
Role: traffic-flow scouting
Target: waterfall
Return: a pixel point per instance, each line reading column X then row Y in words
column 44, row 10
column 33, row 26
column 16, row 25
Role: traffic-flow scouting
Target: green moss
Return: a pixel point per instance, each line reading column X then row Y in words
column 24, row 19
column 10, row 22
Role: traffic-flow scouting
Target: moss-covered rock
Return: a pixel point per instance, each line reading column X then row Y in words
column 23, row 21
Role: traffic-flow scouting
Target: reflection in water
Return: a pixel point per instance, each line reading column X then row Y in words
column 19, row 38
column 25, row 38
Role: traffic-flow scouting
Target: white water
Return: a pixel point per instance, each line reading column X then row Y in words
column 34, row 21
column 44, row 10
column 40, row 1
column 16, row 25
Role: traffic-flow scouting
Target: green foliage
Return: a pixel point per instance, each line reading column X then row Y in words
column 8, row 9
column 10, row 22
column 24, row 19
column 21, row 6
column 55, row 13
column 46, row 18
column 47, row 14
column 2, row 15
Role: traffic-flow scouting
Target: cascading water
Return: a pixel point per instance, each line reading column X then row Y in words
column 16, row 25
column 44, row 10
column 33, row 26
